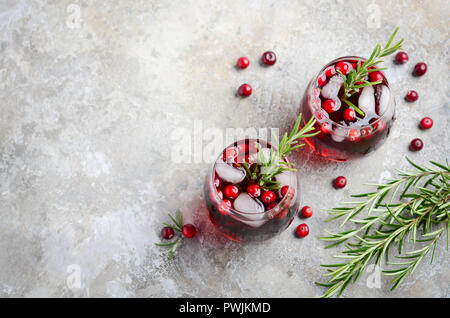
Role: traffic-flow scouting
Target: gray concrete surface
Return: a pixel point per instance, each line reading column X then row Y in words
column 92, row 91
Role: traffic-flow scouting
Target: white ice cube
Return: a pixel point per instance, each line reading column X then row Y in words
column 331, row 89
column 385, row 98
column 338, row 134
column 253, row 209
column 229, row 173
column 366, row 100
column 286, row 178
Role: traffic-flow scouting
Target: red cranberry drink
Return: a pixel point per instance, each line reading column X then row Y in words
column 353, row 105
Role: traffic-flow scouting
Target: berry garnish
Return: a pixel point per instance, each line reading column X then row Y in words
column 329, row 106
column 284, row 190
column 167, row 233
column 330, row 71
column 426, row 123
column 268, row 197
column 306, row 212
column 325, row 127
column 416, row 144
column 420, row 69
column 343, row 67
column 269, row 58
column 411, row 96
column 243, row 62
column 231, row 191
column 340, row 182
column 302, row 230
column 189, row 230
column 354, row 135
column 230, row 154
column 254, row 190
column 245, row 90
column 322, row 80
column 375, row 76
column 366, row 133
column 401, row 58
column 349, row 114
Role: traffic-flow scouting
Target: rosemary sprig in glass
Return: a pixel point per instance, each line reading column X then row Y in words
column 418, row 199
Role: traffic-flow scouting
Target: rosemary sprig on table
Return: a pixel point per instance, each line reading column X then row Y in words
column 177, row 225
column 276, row 163
column 418, row 199
column 356, row 79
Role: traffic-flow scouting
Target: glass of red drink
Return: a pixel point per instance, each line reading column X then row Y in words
column 237, row 205
column 346, row 134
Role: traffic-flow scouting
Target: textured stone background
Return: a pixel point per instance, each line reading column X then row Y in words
column 88, row 107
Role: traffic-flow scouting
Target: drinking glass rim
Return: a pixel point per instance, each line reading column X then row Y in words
column 323, row 112
column 220, row 201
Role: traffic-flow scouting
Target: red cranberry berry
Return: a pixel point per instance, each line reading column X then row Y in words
column 302, row 230
column 231, row 191
column 243, row 62
column 268, row 197
column 230, row 154
column 354, row 135
column 420, row 69
column 284, row 190
column 416, row 144
column 325, row 127
column 343, row 67
column 401, row 58
column 366, row 133
column 349, row 114
column 307, row 212
column 322, row 80
column 167, row 233
column 269, row 58
column 189, row 230
column 411, row 96
column 340, row 182
column 225, row 206
column 330, row 71
column 375, row 76
column 329, row 106
column 426, row 123
column 245, row 90
column 254, row 190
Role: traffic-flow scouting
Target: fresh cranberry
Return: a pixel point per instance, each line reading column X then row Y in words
column 420, row 69
column 340, row 182
column 243, row 62
column 189, row 230
column 245, row 90
column 330, row 71
column 307, row 211
column 325, row 127
column 230, row 154
column 349, row 114
column 322, row 80
column 231, row 191
column 411, row 96
column 416, row 144
column 254, row 190
column 343, row 67
column 401, row 58
column 354, row 135
column 167, row 233
column 366, row 133
column 217, row 182
column 378, row 125
column 329, row 106
column 375, row 76
column 268, row 197
column 426, row 123
column 225, row 206
column 269, row 58
column 284, row 190
column 302, row 230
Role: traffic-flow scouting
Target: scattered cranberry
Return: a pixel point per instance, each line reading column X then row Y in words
column 189, row 230
column 420, row 69
column 411, row 96
column 284, row 190
column 307, row 211
column 340, row 182
column 231, row 191
column 268, row 197
column 167, row 233
column 243, row 62
column 375, row 76
column 269, row 58
column 329, row 105
column 401, row 58
column 330, row 71
column 245, row 90
column 217, row 182
column 416, row 144
column 230, row 154
column 343, row 67
column 322, row 80
column 354, row 135
column 349, row 114
column 426, row 123
column 254, row 190
column 302, row 230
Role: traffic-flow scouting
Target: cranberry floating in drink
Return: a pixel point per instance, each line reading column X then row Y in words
column 252, row 193
column 353, row 105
